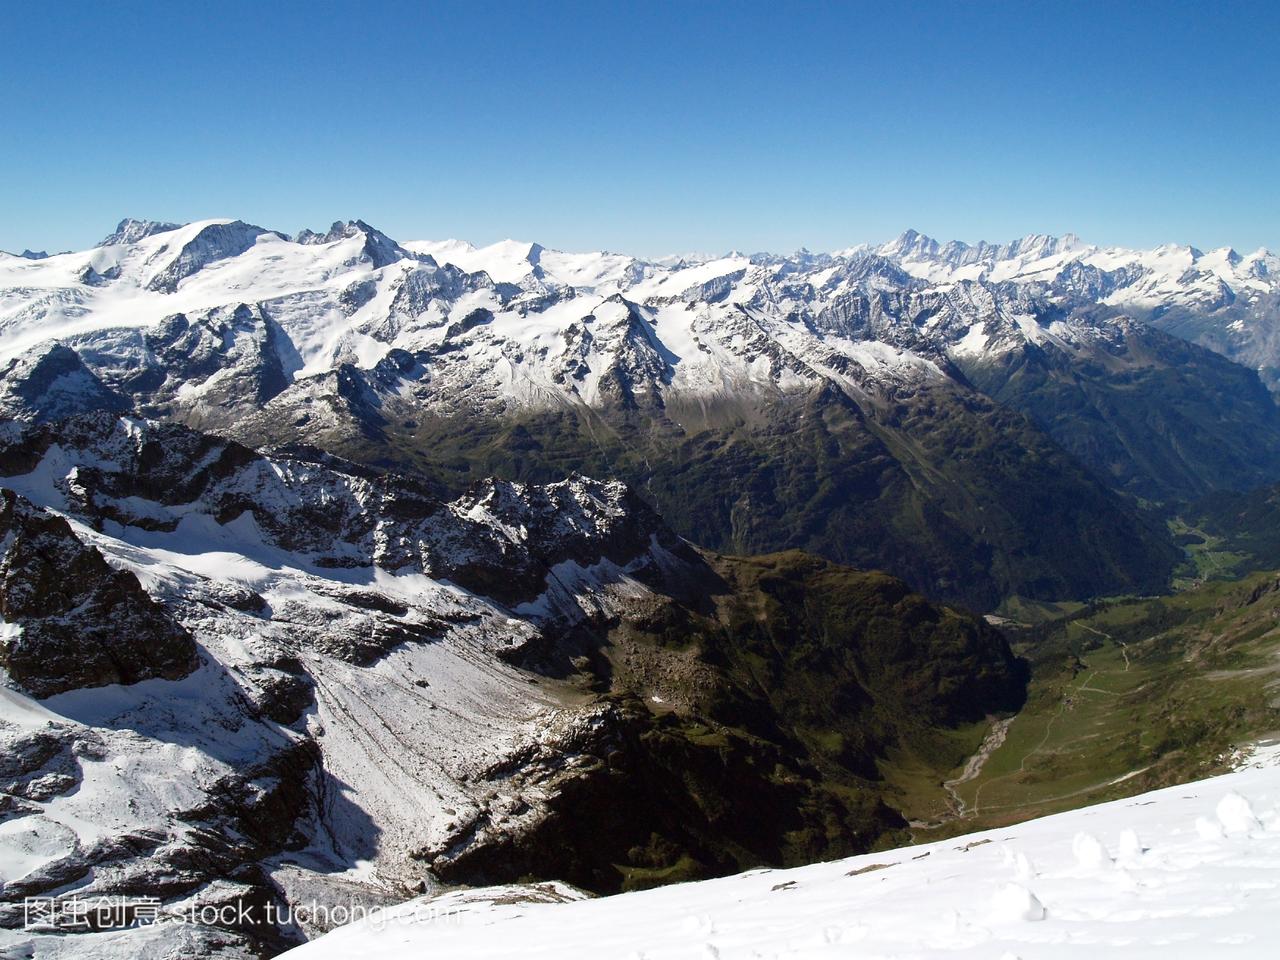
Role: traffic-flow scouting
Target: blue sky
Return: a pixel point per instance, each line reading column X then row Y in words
column 646, row 128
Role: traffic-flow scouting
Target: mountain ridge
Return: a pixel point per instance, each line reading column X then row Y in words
column 339, row 685
column 381, row 351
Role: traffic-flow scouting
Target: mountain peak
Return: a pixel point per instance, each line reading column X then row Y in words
column 910, row 244
column 338, row 230
column 525, row 250
column 378, row 247
column 130, row 230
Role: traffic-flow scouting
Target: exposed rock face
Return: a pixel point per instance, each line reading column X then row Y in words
column 203, row 366
column 377, row 249
column 784, row 682
column 500, row 539
column 71, row 619
column 50, row 382
column 130, row 230
column 631, row 798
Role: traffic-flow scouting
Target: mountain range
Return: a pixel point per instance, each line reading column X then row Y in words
column 916, row 407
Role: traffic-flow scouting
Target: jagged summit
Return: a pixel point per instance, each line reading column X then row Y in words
column 339, row 230
column 914, row 246
column 130, row 230
column 910, row 244
column 380, row 249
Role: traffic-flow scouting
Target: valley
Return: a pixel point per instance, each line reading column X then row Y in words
column 1129, row 696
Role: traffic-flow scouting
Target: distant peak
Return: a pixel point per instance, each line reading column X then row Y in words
column 522, row 249
column 380, row 249
column 910, row 243
column 339, row 230
column 130, row 230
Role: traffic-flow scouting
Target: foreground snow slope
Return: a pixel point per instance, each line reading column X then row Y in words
column 1190, row 871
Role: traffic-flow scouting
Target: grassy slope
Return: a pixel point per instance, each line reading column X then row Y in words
column 1241, row 531
column 1132, row 695
column 769, row 720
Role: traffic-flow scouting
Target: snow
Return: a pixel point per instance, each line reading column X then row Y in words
column 1013, row 902
column 19, row 710
column 407, row 741
column 514, row 261
column 9, row 632
column 158, row 747
column 716, row 321
column 973, row 343
column 508, row 261
column 1236, row 815
column 442, row 251
column 1098, row 891
column 1089, row 852
column 29, row 844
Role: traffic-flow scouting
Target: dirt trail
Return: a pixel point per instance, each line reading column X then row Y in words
column 1048, row 732
column 995, row 739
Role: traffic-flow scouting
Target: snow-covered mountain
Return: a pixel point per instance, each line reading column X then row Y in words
column 521, row 361
column 1184, row 873
column 231, row 674
column 517, row 325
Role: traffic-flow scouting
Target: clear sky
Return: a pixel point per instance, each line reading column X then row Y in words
column 646, row 128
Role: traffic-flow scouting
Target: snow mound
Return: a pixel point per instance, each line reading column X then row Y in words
column 1089, row 852
column 1236, row 814
column 1014, row 902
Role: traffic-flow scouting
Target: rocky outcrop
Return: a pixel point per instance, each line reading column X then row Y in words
column 51, row 382
column 378, row 249
column 130, row 230
column 70, row 619
column 500, row 539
